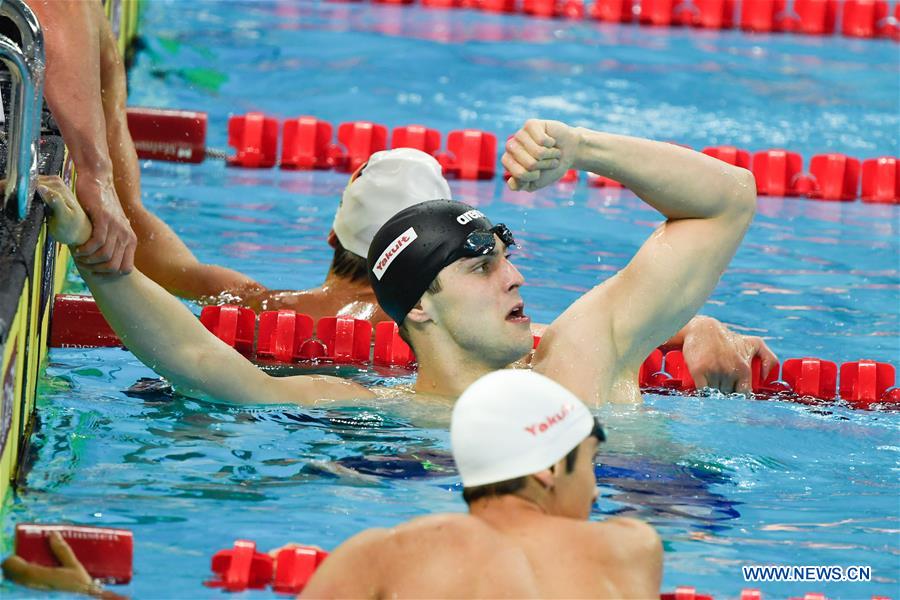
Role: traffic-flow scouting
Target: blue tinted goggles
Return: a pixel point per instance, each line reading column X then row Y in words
column 481, row 242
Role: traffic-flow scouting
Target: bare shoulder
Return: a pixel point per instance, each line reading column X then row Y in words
column 378, row 550
column 625, row 537
column 359, row 555
column 451, row 530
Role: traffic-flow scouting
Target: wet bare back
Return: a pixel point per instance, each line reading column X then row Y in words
column 450, row 556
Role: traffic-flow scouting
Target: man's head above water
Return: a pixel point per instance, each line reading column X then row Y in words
column 441, row 270
column 517, row 432
column 388, row 182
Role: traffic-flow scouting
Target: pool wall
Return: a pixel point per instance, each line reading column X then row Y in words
column 32, row 270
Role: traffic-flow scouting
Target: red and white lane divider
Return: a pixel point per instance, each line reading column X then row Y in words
column 243, row 567
column 288, row 337
column 308, row 143
column 852, row 18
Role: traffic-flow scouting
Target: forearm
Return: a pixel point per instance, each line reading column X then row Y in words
column 72, row 88
column 679, row 183
column 114, row 98
column 164, row 258
column 166, row 336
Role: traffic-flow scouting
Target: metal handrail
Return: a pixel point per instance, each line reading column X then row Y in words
column 26, row 65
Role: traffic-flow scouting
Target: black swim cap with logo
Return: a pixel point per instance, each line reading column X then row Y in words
column 414, row 245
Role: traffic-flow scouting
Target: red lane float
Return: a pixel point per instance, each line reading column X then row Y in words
column 346, row 339
column 833, row 177
column 498, row 6
column 881, row 180
column 360, row 140
column 390, row 349
column 306, row 144
column 860, row 18
column 254, row 136
column 78, row 323
column 650, row 367
column 865, row 382
column 811, row 377
column 282, row 334
column 612, row 11
column 242, row 567
column 418, row 137
column 685, row 593
column 776, row 172
column 472, row 154
column 730, row 154
column 288, row 337
column 815, row 17
column 864, row 18
column 762, row 16
column 104, row 552
column 172, row 135
column 234, row 325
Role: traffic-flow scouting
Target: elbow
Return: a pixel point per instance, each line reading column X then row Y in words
column 742, row 199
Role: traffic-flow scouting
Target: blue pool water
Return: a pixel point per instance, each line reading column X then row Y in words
column 727, row 481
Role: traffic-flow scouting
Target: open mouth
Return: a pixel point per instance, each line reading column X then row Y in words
column 517, row 314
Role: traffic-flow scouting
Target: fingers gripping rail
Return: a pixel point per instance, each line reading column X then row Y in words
column 288, row 337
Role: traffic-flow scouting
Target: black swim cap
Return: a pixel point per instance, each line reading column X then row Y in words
column 414, row 245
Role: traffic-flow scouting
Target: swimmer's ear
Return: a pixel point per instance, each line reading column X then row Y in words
column 418, row 314
column 332, row 239
column 422, row 312
column 545, row 478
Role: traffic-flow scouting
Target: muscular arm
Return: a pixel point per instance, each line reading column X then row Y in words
column 160, row 254
column 708, row 206
column 164, row 334
column 72, row 42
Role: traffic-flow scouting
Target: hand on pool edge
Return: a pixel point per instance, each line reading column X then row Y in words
column 71, row 576
column 719, row 358
column 68, row 222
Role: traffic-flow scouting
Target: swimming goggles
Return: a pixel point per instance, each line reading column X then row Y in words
column 481, row 242
column 597, row 431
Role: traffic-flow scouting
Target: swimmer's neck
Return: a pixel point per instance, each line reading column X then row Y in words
column 498, row 511
column 447, row 375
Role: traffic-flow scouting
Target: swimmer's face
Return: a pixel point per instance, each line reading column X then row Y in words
column 480, row 307
column 575, row 492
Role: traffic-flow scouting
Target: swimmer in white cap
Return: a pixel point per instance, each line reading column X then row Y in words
column 525, row 449
column 388, row 182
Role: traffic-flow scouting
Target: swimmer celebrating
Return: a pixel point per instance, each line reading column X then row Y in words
column 440, row 269
column 525, row 448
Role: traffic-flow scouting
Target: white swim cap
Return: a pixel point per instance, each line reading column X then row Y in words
column 513, row 423
column 391, row 181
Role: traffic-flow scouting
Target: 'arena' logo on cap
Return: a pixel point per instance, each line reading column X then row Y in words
column 469, row 216
column 550, row 420
column 393, row 250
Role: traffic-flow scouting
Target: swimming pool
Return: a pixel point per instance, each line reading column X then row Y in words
column 727, row 481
